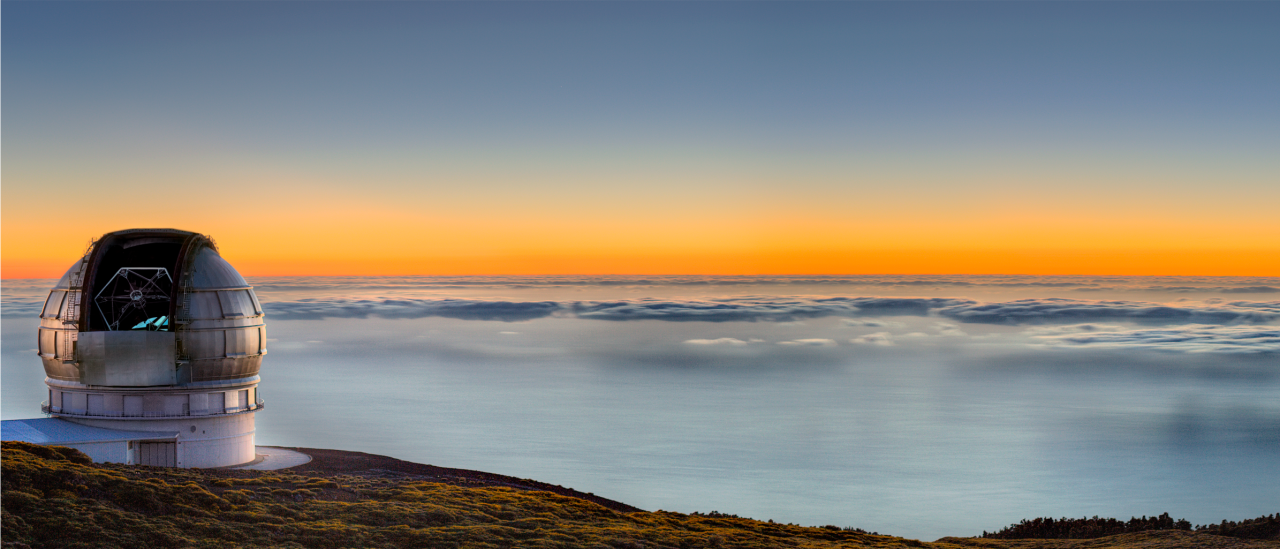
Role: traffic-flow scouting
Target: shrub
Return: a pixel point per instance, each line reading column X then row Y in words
column 1085, row 528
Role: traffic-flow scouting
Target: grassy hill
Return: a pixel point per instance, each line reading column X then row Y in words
column 55, row 497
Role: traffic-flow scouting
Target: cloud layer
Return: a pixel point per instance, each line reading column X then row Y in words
column 26, row 297
column 1055, row 310
column 22, row 296
column 755, row 309
column 462, row 309
column 1188, row 339
column 788, row 309
column 1153, row 283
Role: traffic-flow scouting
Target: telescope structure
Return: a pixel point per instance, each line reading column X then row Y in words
column 151, row 345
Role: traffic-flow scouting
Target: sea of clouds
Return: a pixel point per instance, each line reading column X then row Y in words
column 1179, row 323
column 841, row 396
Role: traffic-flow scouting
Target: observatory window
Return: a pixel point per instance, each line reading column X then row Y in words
column 219, row 343
column 114, row 404
column 205, row 305
column 53, row 305
column 235, row 303
column 198, row 403
column 47, row 337
column 97, row 405
column 207, row 344
column 73, row 403
column 133, row 406
column 217, row 402
column 228, row 307
column 236, row 343
column 251, row 342
column 153, row 405
column 176, row 405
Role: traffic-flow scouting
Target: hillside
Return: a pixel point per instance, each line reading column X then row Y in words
column 54, row 497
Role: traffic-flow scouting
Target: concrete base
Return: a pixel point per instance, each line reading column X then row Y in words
column 216, row 441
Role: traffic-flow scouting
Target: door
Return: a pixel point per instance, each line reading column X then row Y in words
column 158, row 454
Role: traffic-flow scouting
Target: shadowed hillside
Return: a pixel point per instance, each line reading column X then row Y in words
column 54, row 497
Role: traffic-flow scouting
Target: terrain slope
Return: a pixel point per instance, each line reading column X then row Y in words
column 55, row 497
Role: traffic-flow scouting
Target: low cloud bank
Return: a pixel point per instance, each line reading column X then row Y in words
column 461, row 309
column 23, row 305
column 858, row 311
column 879, row 338
column 1187, row 339
column 1111, row 283
column 1056, row 310
column 752, row 309
column 809, row 342
column 756, row 309
column 788, row 309
column 722, row 341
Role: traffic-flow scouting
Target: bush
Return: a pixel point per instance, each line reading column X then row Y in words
column 1085, row 528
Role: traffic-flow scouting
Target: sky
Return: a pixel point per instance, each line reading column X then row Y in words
column 451, row 138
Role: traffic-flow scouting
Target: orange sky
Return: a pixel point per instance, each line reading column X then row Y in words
column 305, row 224
column 273, row 222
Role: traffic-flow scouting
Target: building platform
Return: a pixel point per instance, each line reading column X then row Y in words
column 100, row 444
column 56, row 432
column 271, row 458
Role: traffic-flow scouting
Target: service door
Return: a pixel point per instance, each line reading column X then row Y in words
column 158, row 454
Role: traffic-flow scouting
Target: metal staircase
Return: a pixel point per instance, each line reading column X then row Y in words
column 71, row 309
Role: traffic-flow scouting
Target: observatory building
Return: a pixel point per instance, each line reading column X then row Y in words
column 151, row 346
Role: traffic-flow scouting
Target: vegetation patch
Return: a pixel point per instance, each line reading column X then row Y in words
column 56, row 497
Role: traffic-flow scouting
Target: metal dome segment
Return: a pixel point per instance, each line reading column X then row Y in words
column 221, row 333
column 58, row 325
column 210, row 271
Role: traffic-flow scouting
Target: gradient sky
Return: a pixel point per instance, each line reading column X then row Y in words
column 720, row 138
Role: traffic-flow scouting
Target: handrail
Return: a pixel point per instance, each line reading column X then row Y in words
column 47, row 409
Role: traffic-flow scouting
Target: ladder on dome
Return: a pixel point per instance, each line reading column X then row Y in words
column 182, row 316
column 71, row 310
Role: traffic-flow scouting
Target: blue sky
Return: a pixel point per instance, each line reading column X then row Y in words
column 523, row 129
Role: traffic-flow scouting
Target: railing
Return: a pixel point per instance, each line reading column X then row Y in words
column 47, row 409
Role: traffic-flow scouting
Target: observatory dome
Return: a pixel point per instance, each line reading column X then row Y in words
column 164, row 292
column 153, row 333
